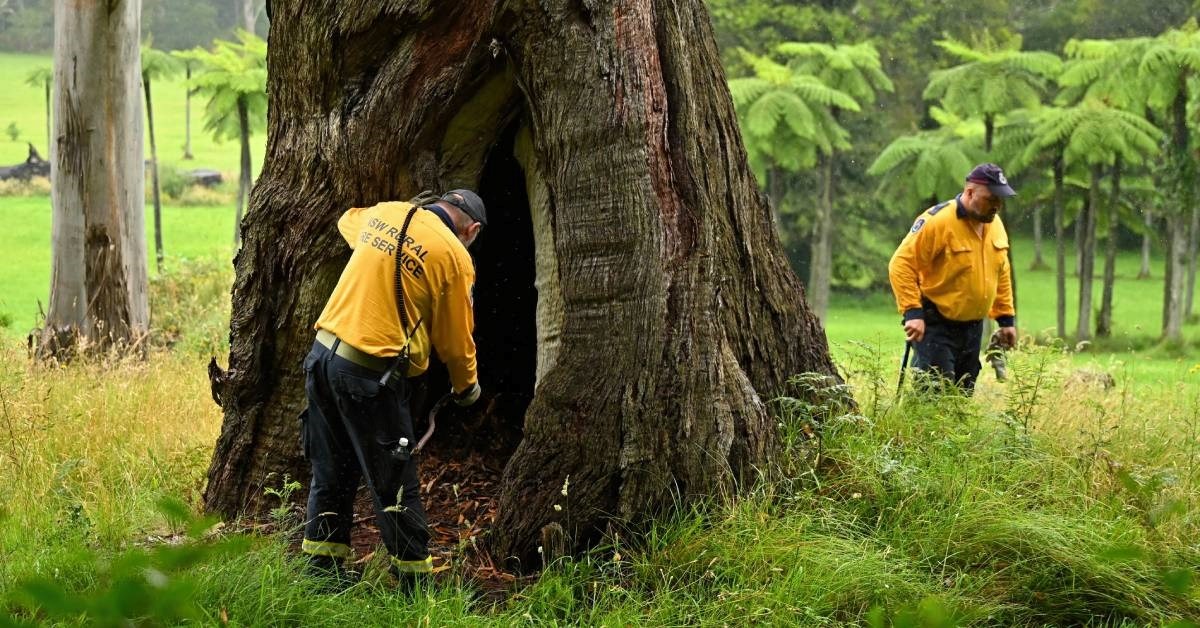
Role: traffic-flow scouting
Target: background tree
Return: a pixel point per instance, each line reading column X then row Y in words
column 234, row 77
column 790, row 120
column 856, row 71
column 156, row 64
column 43, row 77
column 663, row 245
column 98, row 284
column 1168, row 63
column 996, row 78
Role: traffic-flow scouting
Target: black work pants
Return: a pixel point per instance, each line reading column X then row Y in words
column 352, row 431
column 949, row 351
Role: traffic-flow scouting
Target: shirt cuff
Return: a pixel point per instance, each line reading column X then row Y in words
column 1006, row 321
column 914, row 314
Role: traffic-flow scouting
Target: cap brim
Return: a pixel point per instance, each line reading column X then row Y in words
column 1002, row 190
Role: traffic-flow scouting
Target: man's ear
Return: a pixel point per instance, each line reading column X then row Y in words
column 473, row 230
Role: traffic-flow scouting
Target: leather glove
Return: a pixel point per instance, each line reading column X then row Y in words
column 467, row 397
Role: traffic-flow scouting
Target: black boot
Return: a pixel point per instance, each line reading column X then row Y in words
column 332, row 575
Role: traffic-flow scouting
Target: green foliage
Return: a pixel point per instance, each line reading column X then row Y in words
column 12, row 131
column 1093, row 133
column 157, row 64
column 40, row 77
column 917, row 169
column 232, row 73
column 995, row 78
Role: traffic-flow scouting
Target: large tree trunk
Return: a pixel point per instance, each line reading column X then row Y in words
column 820, row 271
column 1087, row 256
column 680, row 316
column 1180, row 167
column 157, row 193
column 49, row 132
column 98, row 281
column 250, row 14
column 1104, row 323
column 1060, row 249
column 1174, row 290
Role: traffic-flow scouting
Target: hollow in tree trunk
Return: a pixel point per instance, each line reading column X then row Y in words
column 98, row 284
column 680, row 317
column 1104, row 322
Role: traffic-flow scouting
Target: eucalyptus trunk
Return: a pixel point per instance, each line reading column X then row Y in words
column 1087, row 255
column 1060, row 249
column 98, row 283
column 820, row 271
column 1104, row 322
column 680, row 317
column 1180, row 166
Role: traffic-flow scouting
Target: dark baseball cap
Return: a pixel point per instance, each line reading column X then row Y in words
column 470, row 204
column 993, row 177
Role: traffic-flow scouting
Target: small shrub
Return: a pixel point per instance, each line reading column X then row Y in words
column 172, row 181
column 201, row 196
column 12, row 131
column 6, row 320
column 37, row 186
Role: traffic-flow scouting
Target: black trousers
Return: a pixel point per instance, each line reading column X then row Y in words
column 949, row 351
column 351, row 432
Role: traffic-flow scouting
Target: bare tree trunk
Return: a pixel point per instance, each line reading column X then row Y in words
column 187, row 113
column 680, row 315
column 250, row 14
column 820, row 271
column 158, row 241
column 1087, row 256
column 1104, row 323
column 244, row 174
column 1192, row 249
column 1060, row 249
column 1038, row 262
column 1174, row 290
column 1148, row 218
column 98, row 281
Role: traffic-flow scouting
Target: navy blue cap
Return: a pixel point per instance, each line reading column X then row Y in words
column 993, row 177
column 470, row 204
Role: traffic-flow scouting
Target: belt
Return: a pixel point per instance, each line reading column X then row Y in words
column 351, row 354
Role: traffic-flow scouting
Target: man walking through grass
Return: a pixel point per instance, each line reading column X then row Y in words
column 951, row 270
column 405, row 292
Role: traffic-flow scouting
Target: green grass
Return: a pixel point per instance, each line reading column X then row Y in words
column 188, row 233
column 1076, row 508
column 25, row 105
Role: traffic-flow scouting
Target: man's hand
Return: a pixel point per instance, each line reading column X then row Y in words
column 1008, row 337
column 914, row 330
column 468, row 397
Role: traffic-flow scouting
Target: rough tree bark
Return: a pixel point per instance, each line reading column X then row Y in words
column 98, row 284
column 244, row 176
column 1148, row 221
column 680, row 317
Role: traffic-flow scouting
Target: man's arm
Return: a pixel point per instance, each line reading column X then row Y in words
column 452, row 327
column 914, row 252
column 1002, row 308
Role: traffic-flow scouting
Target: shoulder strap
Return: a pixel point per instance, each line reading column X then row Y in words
column 397, row 278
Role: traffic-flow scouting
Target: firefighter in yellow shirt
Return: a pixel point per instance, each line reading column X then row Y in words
column 951, row 271
column 405, row 292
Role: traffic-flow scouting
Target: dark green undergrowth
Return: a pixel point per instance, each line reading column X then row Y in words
column 1020, row 507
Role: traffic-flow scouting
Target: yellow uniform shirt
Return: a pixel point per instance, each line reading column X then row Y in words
column 965, row 274
column 438, row 278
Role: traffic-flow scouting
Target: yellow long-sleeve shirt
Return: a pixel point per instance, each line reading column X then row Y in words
column 965, row 274
column 438, row 278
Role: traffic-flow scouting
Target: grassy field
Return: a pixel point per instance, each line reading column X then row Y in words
column 24, row 105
